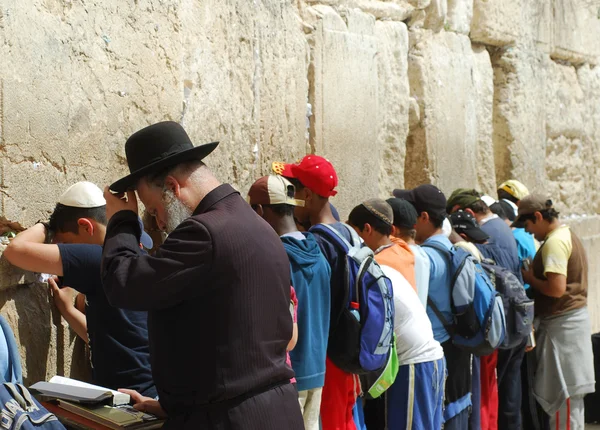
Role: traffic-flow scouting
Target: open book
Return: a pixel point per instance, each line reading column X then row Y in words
column 63, row 388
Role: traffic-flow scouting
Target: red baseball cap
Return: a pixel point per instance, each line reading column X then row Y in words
column 314, row 172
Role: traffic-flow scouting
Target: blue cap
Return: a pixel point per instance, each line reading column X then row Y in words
column 145, row 240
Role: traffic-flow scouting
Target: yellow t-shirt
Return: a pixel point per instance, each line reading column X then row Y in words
column 557, row 250
column 561, row 253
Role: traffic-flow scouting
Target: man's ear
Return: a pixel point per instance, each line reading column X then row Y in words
column 470, row 211
column 172, row 184
column 455, row 208
column 424, row 216
column 464, row 236
column 538, row 216
column 86, row 225
column 259, row 210
column 368, row 229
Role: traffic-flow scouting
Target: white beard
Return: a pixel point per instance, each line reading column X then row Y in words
column 176, row 211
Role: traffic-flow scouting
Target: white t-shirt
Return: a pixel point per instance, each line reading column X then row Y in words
column 422, row 264
column 411, row 324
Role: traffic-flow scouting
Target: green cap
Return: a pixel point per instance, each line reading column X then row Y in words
column 463, row 197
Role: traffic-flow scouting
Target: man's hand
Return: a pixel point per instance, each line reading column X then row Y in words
column 528, row 275
column 63, row 297
column 145, row 404
column 119, row 202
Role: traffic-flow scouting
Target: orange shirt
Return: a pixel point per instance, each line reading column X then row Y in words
column 399, row 256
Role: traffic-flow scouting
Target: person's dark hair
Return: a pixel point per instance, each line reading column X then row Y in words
column 281, row 210
column 437, row 219
column 407, row 232
column 479, row 207
column 508, row 210
column 64, row 218
column 499, row 210
column 549, row 215
column 360, row 216
column 296, row 183
column 503, row 194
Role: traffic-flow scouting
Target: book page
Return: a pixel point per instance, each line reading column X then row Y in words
column 119, row 398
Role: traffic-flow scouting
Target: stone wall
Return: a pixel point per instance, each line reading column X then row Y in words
column 395, row 93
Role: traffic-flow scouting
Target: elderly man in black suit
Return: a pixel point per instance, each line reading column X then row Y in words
column 217, row 291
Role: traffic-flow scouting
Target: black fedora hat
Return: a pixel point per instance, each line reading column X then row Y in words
column 155, row 148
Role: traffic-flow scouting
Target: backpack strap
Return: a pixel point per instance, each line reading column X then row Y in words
column 14, row 392
column 14, row 358
column 449, row 327
column 438, row 247
column 447, row 253
column 27, row 395
column 333, row 234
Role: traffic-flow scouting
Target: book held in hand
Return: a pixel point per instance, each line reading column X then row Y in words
column 80, row 392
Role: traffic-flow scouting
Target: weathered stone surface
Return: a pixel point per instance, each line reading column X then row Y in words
column 587, row 229
column 47, row 345
column 460, row 14
column 496, row 22
column 576, row 30
column 519, row 119
column 393, row 103
column 483, row 86
column 443, row 149
column 244, row 82
column 343, row 93
column 435, row 15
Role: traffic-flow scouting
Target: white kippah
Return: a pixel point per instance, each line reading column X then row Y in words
column 488, row 200
column 83, row 195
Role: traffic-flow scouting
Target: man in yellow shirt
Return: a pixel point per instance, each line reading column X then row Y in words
column 558, row 277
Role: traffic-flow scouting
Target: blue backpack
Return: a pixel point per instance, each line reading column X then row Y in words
column 518, row 308
column 21, row 411
column 361, row 346
column 478, row 324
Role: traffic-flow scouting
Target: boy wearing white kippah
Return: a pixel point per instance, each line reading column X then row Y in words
column 118, row 338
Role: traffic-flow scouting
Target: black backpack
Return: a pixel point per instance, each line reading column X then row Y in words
column 518, row 308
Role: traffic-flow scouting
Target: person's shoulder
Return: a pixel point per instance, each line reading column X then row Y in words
column 562, row 235
column 80, row 248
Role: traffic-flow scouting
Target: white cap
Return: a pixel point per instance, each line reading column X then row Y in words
column 488, row 200
column 83, row 195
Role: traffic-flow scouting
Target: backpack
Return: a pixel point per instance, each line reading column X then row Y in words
column 478, row 324
column 374, row 384
column 360, row 346
column 21, row 411
column 518, row 308
column 12, row 372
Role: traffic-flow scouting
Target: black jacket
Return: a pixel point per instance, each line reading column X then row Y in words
column 217, row 292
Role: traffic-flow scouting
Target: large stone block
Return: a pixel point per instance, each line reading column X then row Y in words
column 483, row 86
column 519, row 119
column 393, row 103
column 244, row 73
column 443, row 147
column 496, row 22
column 576, row 31
column 344, row 96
